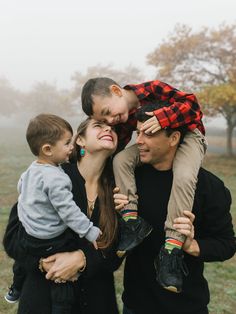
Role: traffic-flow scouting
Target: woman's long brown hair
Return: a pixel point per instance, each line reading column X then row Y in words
column 108, row 221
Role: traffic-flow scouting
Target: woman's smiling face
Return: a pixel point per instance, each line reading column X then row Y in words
column 99, row 136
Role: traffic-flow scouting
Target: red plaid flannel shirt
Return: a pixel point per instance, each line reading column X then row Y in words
column 184, row 109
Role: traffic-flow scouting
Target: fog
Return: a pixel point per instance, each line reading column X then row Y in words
column 50, row 40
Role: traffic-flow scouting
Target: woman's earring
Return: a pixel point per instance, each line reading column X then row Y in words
column 82, row 151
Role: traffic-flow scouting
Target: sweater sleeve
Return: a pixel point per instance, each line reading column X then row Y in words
column 216, row 237
column 61, row 197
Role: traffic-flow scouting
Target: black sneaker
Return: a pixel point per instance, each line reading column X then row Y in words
column 133, row 232
column 13, row 295
column 170, row 268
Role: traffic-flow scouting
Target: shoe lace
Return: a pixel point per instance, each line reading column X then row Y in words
column 10, row 291
column 178, row 262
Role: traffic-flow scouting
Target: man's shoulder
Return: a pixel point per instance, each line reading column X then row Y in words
column 207, row 178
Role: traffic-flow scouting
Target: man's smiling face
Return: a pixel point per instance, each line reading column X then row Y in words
column 157, row 149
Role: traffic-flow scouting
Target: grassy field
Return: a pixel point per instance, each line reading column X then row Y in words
column 14, row 158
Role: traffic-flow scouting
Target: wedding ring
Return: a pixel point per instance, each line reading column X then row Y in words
column 59, row 280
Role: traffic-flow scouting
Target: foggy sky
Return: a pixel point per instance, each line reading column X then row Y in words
column 51, row 39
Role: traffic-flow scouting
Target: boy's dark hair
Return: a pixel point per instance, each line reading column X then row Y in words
column 99, row 86
column 142, row 117
column 45, row 129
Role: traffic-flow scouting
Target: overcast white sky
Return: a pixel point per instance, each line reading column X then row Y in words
column 51, row 39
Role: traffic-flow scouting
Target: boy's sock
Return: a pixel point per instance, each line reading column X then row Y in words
column 129, row 214
column 171, row 243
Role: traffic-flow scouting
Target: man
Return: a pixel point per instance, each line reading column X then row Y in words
column 104, row 99
column 213, row 231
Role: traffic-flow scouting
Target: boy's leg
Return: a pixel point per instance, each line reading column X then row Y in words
column 13, row 294
column 124, row 165
column 135, row 229
column 186, row 165
column 187, row 162
column 65, row 242
column 18, row 275
column 62, row 294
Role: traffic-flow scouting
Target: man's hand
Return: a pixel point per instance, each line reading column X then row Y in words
column 120, row 200
column 152, row 125
column 184, row 225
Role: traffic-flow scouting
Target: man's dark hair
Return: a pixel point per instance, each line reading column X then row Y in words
column 142, row 117
column 99, row 86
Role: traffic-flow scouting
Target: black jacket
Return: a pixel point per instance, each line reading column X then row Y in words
column 95, row 288
column 213, row 231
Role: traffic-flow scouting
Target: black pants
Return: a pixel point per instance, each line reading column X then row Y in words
column 62, row 294
column 18, row 276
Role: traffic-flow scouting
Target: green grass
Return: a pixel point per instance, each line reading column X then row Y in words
column 221, row 276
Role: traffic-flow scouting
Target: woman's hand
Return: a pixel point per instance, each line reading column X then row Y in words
column 184, row 225
column 47, row 265
column 65, row 265
column 120, row 200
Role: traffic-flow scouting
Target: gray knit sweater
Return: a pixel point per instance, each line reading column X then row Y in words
column 46, row 206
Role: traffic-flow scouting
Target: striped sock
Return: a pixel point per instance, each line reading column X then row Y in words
column 129, row 214
column 171, row 243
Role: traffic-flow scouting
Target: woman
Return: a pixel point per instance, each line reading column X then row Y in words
column 92, row 179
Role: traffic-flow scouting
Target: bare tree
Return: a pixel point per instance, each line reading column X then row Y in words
column 10, row 99
column 45, row 97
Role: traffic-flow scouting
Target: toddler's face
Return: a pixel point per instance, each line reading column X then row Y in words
column 62, row 149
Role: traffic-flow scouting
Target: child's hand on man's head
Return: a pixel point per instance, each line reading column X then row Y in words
column 152, row 125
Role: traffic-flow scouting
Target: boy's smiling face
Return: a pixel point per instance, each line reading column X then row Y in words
column 112, row 109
